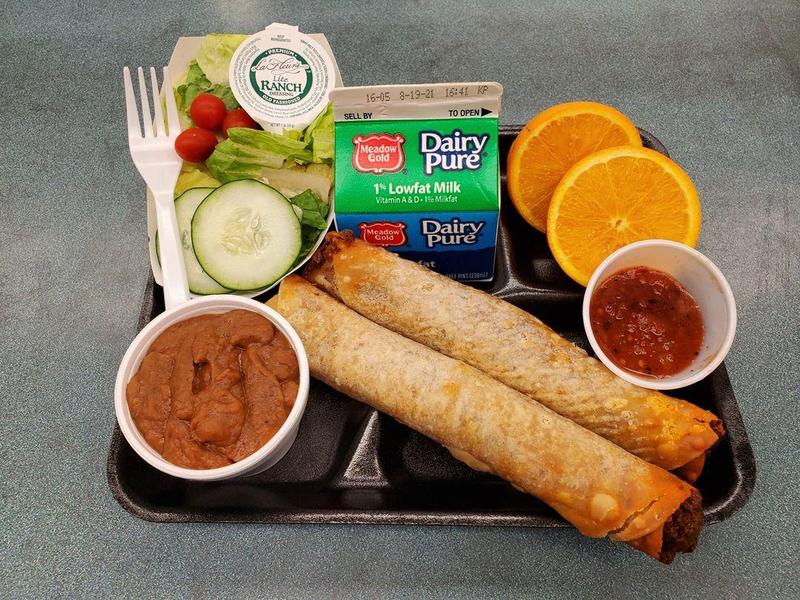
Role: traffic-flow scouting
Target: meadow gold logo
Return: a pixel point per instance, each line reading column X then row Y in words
column 378, row 153
column 382, row 233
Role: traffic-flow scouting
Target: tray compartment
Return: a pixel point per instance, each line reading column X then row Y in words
column 351, row 464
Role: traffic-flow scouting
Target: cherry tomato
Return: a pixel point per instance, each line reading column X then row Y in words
column 195, row 144
column 207, row 111
column 238, row 118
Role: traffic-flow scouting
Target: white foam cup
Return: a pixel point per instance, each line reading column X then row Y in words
column 701, row 278
column 263, row 458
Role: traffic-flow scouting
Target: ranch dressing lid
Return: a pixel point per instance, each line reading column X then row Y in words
column 281, row 77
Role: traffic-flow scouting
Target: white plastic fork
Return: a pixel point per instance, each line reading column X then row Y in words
column 154, row 156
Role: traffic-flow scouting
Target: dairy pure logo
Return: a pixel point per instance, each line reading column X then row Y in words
column 281, row 76
column 454, row 152
column 454, row 232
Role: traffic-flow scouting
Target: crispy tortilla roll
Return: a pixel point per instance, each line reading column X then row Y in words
column 512, row 346
column 592, row 483
column 692, row 470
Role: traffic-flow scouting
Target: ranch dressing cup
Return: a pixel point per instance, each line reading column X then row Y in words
column 282, row 78
column 417, row 171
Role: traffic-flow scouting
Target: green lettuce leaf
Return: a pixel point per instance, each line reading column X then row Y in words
column 193, row 176
column 268, row 141
column 314, row 210
column 230, row 162
column 319, row 135
column 196, row 83
column 293, row 179
column 214, row 56
column 308, row 237
column 225, row 93
column 247, row 152
column 312, row 220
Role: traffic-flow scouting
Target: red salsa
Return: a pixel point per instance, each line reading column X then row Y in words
column 646, row 322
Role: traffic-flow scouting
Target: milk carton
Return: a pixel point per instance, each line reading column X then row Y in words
column 417, row 171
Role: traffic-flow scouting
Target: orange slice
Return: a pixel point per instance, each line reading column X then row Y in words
column 551, row 143
column 615, row 197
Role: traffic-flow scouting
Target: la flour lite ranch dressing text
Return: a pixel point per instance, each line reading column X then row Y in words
column 282, row 77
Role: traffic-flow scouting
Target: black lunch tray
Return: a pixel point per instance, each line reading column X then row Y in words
column 351, row 464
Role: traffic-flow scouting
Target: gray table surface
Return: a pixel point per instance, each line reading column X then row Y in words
column 718, row 82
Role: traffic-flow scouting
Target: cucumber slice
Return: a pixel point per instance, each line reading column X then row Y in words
column 246, row 235
column 185, row 205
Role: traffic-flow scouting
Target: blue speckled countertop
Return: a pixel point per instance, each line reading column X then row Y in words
column 717, row 82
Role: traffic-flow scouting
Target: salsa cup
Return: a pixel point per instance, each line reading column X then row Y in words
column 263, row 458
column 704, row 281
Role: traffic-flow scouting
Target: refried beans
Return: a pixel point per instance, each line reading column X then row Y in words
column 213, row 389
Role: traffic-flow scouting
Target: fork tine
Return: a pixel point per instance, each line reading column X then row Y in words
column 146, row 116
column 160, row 131
column 134, row 129
column 172, row 111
